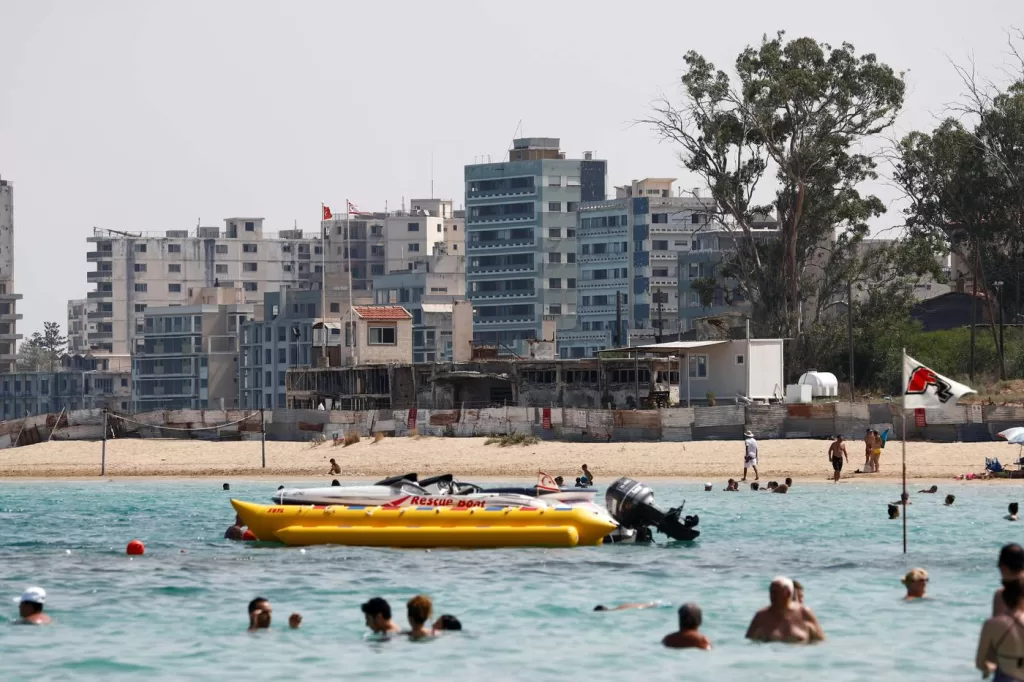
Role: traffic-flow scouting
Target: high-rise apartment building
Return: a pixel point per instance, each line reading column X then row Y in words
column 137, row 271
column 9, row 315
column 78, row 325
column 521, row 238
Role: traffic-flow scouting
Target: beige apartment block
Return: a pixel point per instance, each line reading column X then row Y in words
column 9, row 315
column 138, row 271
column 78, row 326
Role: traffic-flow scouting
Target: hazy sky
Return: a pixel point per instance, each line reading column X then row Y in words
column 148, row 116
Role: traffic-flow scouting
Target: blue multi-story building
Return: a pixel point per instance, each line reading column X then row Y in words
column 521, row 238
column 627, row 250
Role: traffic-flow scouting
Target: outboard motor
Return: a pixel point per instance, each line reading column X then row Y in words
column 631, row 503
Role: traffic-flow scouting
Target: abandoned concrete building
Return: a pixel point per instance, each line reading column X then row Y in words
column 591, row 382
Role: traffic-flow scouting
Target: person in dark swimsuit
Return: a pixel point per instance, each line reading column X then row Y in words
column 1001, row 644
column 836, row 453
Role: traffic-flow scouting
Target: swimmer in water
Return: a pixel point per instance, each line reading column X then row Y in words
column 1001, row 644
column 782, row 489
column 260, row 614
column 732, row 486
column 447, row 622
column 894, row 511
column 932, row 490
column 783, row 620
column 1011, row 570
column 30, row 607
column 419, row 609
column 689, row 635
column 1012, row 516
column 235, row 531
column 377, row 613
column 789, row 482
column 628, row 605
column 950, row 499
column 559, row 481
column 916, row 580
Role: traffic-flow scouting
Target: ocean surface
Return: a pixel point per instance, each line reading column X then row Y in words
column 180, row 611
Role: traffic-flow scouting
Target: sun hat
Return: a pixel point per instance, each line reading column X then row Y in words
column 748, row 433
column 914, row 575
column 33, row 595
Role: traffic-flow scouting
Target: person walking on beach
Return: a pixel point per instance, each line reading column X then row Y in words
column 30, row 607
column 1011, row 569
column 377, row 613
column 916, row 581
column 749, row 455
column 784, row 620
column 836, row 453
column 1001, row 643
column 419, row 609
column 689, row 635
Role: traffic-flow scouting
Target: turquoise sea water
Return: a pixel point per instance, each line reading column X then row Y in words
column 527, row 612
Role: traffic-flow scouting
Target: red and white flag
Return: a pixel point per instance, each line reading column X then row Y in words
column 327, row 212
column 352, row 210
column 546, row 482
column 926, row 388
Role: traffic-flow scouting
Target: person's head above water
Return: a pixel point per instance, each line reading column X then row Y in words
column 707, row 487
column 781, row 592
column 419, row 610
column 335, row 482
column 755, row 485
column 260, row 614
column 950, row 499
column 894, row 511
column 789, row 482
column 378, row 614
column 916, row 580
column 1011, row 561
column 31, row 602
column 601, row 607
column 1013, row 508
column 447, row 622
column 227, row 487
column 690, row 617
column 558, row 481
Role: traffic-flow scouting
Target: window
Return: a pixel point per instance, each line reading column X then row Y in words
column 140, row 287
column 248, row 267
column 375, row 250
column 570, row 258
column 414, row 227
column 554, row 207
column 659, row 217
column 570, row 206
column 140, row 307
column 286, row 248
column 250, row 286
column 555, row 181
column 695, row 218
column 555, row 233
column 659, row 272
column 174, row 268
column 124, row 383
column 585, row 249
column 382, row 336
column 698, row 367
column 222, row 269
column 140, row 267
column 555, row 309
column 335, row 307
column 414, row 248
column 376, row 269
column 572, row 182
column 740, row 359
column 174, row 288
column 570, row 232
column 317, row 250
column 555, row 283
column 695, row 245
column 222, row 248
column 248, row 248
column 140, row 248
column 250, row 226
column 570, row 283
column 554, row 257
column 659, row 245
column 694, row 271
column 174, row 248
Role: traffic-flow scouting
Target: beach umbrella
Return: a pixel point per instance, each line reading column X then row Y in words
column 1014, row 435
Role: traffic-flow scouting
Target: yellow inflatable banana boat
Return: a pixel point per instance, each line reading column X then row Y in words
column 424, row 527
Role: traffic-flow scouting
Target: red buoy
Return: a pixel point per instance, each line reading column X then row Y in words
column 249, row 535
column 136, row 548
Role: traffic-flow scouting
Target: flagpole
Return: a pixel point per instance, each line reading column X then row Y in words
column 323, row 286
column 903, row 442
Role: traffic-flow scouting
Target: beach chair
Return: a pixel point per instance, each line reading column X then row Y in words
column 993, row 465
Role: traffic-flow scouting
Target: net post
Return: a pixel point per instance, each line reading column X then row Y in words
column 103, row 451
column 263, row 439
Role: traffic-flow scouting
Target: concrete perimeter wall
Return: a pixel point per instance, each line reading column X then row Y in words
column 820, row 420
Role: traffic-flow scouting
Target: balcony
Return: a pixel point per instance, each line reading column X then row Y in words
column 99, row 336
column 100, row 294
column 95, row 256
column 10, row 316
column 99, row 276
column 100, row 315
column 10, row 297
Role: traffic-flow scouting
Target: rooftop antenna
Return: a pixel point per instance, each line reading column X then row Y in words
column 431, row 174
column 518, row 130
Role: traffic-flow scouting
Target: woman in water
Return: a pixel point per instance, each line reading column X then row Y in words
column 419, row 610
column 1001, row 644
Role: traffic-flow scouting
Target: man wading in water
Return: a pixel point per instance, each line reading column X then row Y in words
column 836, row 453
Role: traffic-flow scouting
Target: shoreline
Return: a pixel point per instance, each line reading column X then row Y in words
column 470, row 459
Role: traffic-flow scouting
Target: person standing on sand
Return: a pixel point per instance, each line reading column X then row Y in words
column 876, row 451
column 836, row 452
column 749, row 455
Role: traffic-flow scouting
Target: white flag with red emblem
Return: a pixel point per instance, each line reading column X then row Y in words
column 546, row 482
column 924, row 387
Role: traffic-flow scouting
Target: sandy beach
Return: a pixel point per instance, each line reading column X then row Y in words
column 469, row 458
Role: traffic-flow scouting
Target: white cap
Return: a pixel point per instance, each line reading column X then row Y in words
column 34, row 595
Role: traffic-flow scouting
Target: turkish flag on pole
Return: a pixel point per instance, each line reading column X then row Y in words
column 327, row 212
column 926, row 388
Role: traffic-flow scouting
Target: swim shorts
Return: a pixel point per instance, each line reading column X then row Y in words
column 837, row 464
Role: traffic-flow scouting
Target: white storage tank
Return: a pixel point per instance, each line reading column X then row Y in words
column 823, row 384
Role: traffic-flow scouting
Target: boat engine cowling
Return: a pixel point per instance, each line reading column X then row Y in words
column 631, row 503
